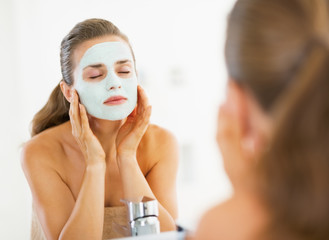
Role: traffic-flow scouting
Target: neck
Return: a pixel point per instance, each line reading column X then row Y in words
column 245, row 184
column 106, row 132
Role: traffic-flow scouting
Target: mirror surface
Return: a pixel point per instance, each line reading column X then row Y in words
column 180, row 62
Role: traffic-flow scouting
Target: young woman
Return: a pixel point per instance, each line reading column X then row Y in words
column 91, row 145
column 273, row 129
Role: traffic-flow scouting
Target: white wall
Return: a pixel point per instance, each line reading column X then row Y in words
column 179, row 50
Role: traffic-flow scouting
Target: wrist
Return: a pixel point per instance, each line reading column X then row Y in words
column 126, row 154
column 95, row 159
column 95, row 156
column 98, row 167
column 126, row 160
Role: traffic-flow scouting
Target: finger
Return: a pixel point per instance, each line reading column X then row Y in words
column 142, row 100
column 139, row 100
column 75, row 115
column 132, row 115
column 84, row 120
column 71, row 119
column 141, row 124
column 222, row 124
column 134, row 112
column 228, row 125
column 144, row 121
column 76, row 111
column 148, row 113
column 71, row 114
column 229, row 133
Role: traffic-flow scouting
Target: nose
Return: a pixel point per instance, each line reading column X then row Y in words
column 113, row 82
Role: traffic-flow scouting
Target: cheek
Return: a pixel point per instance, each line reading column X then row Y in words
column 93, row 92
column 75, row 76
column 130, row 89
column 97, row 89
column 129, row 84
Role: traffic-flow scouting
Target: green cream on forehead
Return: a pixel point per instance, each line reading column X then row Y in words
column 93, row 94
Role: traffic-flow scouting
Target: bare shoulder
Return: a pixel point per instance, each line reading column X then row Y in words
column 215, row 221
column 159, row 140
column 158, row 144
column 159, row 136
column 41, row 150
column 236, row 218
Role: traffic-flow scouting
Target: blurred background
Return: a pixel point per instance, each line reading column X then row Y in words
column 180, row 60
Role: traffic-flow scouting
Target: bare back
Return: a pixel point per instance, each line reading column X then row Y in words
column 239, row 218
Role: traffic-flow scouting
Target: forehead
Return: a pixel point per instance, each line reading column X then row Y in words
column 82, row 48
column 107, row 53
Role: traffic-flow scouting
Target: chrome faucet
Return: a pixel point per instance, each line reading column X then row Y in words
column 143, row 217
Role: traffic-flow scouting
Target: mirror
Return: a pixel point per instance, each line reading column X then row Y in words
column 179, row 51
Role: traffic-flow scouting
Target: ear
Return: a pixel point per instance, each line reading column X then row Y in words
column 256, row 125
column 238, row 97
column 66, row 90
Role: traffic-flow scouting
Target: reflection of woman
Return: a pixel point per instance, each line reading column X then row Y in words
column 75, row 168
column 273, row 130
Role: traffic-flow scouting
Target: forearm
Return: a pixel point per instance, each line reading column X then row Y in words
column 87, row 217
column 135, row 187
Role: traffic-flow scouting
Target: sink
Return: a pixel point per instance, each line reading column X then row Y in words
column 173, row 235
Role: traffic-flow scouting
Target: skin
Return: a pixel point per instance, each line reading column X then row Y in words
column 242, row 132
column 79, row 167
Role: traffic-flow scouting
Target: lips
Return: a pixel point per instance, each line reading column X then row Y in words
column 115, row 100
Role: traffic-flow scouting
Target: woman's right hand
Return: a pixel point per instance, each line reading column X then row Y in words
column 237, row 160
column 90, row 147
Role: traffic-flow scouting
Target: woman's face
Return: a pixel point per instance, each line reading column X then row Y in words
column 105, row 78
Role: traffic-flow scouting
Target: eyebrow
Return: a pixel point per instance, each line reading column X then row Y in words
column 123, row 61
column 94, row 66
column 100, row 65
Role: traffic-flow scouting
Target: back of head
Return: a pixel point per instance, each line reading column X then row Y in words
column 56, row 110
column 268, row 41
column 278, row 49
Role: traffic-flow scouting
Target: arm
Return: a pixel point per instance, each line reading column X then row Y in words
column 60, row 215
column 87, row 217
column 162, row 177
column 160, row 181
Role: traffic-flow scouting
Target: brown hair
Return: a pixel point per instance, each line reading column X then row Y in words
column 278, row 49
column 56, row 109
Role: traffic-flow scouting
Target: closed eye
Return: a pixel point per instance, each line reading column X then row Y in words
column 94, row 77
column 94, row 72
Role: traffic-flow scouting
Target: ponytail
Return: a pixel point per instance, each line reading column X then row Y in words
column 279, row 50
column 55, row 112
column 294, row 171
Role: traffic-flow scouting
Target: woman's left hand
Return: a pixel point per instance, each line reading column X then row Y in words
column 132, row 131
